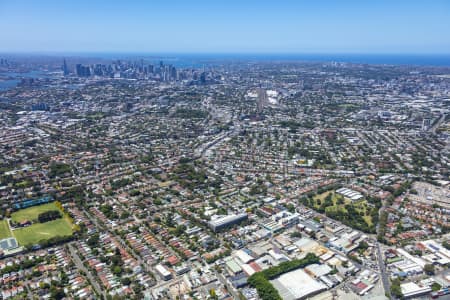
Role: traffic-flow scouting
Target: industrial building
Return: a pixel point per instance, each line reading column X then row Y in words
column 413, row 290
column 297, row 284
column 243, row 256
column 226, row 221
column 232, row 266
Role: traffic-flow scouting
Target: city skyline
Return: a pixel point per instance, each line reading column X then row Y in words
column 412, row 27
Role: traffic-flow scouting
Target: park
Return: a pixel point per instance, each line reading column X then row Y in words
column 36, row 232
column 359, row 214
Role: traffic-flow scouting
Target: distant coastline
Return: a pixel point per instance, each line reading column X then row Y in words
column 188, row 59
column 374, row 59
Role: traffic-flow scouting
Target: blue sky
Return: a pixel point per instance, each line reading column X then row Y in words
column 226, row 26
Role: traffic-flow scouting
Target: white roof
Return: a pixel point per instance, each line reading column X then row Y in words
column 226, row 219
column 416, row 260
column 297, row 284
column 248, row 269
column 410, row 289
column 277, row 256
column 306, row 244
column 243, row 256
column 318, row 270
column 162, row 270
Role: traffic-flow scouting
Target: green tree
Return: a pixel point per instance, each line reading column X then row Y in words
column 435, row 287
column 117, row 270
column 212, row 294
column 429, row 269
column 396, row 291
column 125, row 281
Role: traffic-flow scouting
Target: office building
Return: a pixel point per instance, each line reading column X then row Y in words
column 226, row 221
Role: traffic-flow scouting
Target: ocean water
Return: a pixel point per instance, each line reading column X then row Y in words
column 12, row 83
column 197, row 60
column 8, row 84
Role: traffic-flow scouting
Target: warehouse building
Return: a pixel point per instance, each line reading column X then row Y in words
column 413, row 290
column 297, row 284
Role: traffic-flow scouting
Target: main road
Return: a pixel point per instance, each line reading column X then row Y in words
column 383, row 275
column 381, row 265
column 438, row 123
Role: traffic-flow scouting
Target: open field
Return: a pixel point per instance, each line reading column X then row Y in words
column 43, row 231
column 33, row 212
column 4, row 230
column 319, row 199
column 38, row 231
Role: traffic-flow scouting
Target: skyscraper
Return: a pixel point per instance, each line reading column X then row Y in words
column 262, row 100
column 173, row 73
column 79, row 70
column 64, row 68
column 83, row 71
column 203, row 78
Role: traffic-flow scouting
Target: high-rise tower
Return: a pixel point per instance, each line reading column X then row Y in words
column 65, row 69
column 262, row 100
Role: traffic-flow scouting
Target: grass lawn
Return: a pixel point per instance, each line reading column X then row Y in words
column 360, row 205
column 334, row 199
column 33, row 212
column 43, row 231
column 368, row 220
column 4, row 230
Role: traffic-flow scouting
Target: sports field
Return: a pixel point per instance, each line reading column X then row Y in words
column 33, row 212
column 38, row 231
column 42, row 231
column 4, row 229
